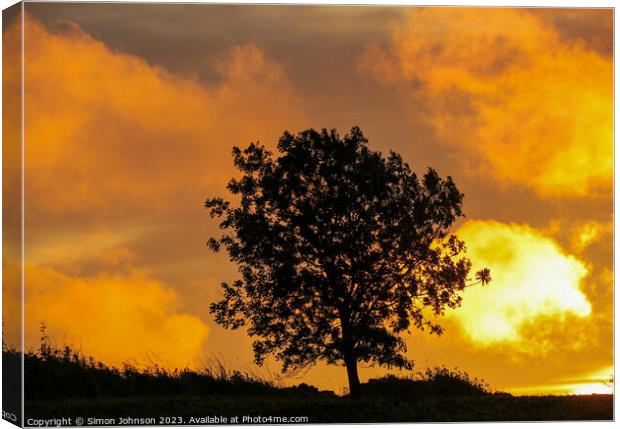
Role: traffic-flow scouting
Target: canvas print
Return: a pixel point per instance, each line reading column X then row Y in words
column 291, row 214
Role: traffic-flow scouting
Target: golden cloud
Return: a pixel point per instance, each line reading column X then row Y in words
column 589, row 232
column 115, row 146
column 108, row 133
column 118, row 318
column 536, row 287
column 534, row 108
column 580, row 235
column 11, row 182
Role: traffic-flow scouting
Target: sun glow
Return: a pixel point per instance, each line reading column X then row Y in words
column 599, row 388
column 598, row 382
column 532, row 278
column 592, row 388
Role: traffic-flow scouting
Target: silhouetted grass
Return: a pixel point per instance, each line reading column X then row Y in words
column 57, row 373
column 62, row 382
column 434, row 382
column 52, row 374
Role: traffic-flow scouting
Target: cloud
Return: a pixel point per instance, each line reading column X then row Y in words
column 109, row 134
column 519, row 100
column 535, row 292
column 11, row 178
column 586, row 238
column 116, row 149
column 590, row 232
column 117, row 317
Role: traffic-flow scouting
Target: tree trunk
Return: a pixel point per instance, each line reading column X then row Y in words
column 349, row 356
column 354, row 380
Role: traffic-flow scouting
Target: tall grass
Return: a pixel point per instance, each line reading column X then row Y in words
column 433, row 382
column 62, row 372
column 53, row 372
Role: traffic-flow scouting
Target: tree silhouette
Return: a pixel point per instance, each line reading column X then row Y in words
column 340, row 252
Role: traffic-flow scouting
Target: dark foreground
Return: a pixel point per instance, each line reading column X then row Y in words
column 78, row 391
column 252, row 409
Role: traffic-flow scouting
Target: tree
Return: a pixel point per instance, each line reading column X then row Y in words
column 340, row 252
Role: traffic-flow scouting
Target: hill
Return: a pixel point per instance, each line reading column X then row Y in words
column 62, row 383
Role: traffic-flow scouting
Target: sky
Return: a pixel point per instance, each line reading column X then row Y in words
column 131, row 112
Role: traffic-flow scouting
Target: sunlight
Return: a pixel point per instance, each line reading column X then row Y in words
column 600, row 381
column 595, row 382
column 532, row 277
column 588, row 389
column 597, row 388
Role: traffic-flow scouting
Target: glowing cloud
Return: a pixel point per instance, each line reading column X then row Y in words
column 589, row 233
column 113, row 145
column 108, row 133
column 115, row 317
column 536, row 109
column 533, row 279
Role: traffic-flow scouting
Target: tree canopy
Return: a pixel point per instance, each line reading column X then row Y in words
column 340, row 251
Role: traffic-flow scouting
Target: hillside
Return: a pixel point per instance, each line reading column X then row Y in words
column 62, row 383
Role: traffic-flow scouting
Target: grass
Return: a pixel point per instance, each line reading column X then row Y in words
column 63, row 383
column 331, row 409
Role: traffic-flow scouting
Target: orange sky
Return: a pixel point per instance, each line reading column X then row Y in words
column 131, row 112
